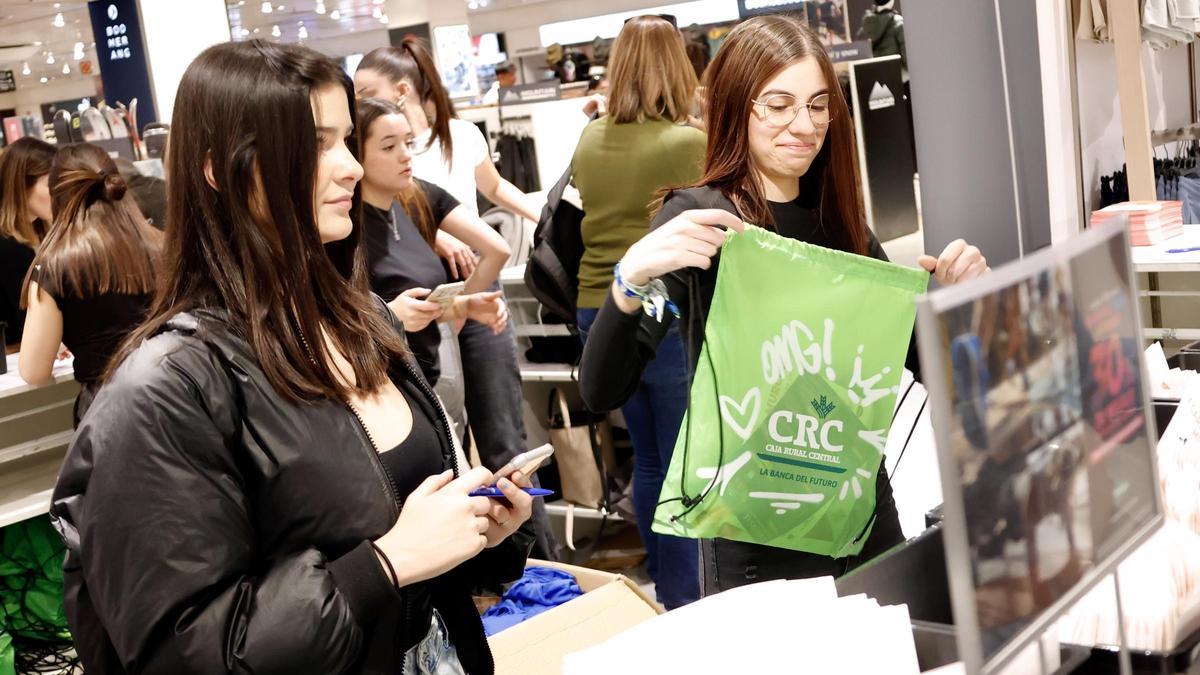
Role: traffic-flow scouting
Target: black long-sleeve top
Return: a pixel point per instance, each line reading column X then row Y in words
column 619, row 345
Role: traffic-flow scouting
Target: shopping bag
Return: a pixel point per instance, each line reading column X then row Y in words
column 7, row 655
column 578, row 452
column 31, row 581
column 792, row 397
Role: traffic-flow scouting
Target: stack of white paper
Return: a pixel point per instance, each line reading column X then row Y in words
column 771, row 627
column 1165, row 381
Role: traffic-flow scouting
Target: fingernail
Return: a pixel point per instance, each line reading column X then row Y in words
column 504, row 483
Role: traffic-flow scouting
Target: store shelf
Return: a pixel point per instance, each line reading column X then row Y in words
column 548, row 372
column 544, row 330
column 26, row 485
column 513, row 275
column 11, row 383
column 558, row 509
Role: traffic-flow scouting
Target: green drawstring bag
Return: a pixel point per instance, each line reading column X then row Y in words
column 7, row 656
column 31, row 581
column 792, row 398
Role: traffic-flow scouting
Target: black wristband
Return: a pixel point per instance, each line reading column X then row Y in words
column 388, row 563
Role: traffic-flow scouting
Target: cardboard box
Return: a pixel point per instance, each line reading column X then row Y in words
column 610, row 604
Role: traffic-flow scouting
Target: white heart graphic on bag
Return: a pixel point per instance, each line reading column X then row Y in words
column 755, row 396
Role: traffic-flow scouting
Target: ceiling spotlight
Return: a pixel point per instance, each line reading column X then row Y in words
column 377, row 12
column 78, row 55
column 44, row 79
column 320, row 7
column 25, row 69
column 267, row 8
column 50, row 59
column 66, row 69
column 383, row 19
column 275, row 32
column 377, row 2
column 256, row 31
column 37, row 43
column 58, row 21
column 241, row 2
column 303, row 33
column 335, row 15
column 279, row 8
column 245, row 32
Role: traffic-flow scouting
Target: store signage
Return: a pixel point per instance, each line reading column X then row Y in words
column 530, row 93
column 881, row 97
column 850, row 51
column 749, row 8
column 8, row 82
column 120, row 50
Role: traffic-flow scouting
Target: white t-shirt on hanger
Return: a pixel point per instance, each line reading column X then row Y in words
column 470, row 149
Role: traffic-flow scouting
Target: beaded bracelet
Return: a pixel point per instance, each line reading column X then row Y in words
column 653, row 295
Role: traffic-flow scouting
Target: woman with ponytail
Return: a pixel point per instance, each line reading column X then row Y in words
column 480, row 380
column 449, row 152
column 93, row 276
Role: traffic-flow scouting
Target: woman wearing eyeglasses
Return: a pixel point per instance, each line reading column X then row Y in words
column 780, row 155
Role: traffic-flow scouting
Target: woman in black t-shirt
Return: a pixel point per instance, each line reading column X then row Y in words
column 93, row 277
column 24, row 216
column 401, row 217
column 780, row 154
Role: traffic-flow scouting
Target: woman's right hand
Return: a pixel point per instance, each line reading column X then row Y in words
column 690, row 239
column 414, row 312
column 439, row 528
column 458, row 256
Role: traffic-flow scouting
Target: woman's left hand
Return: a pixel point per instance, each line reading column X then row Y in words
column 958, row 262
column 489, row 309
column 509, row 514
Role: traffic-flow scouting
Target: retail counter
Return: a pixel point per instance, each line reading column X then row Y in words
column 35, row 429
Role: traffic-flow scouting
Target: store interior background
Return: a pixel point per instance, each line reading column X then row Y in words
column 1080, row 126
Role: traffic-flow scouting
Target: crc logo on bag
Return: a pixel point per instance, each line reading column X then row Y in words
column 792, row 398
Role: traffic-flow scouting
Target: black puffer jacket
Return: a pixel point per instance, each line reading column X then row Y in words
column 213, row 527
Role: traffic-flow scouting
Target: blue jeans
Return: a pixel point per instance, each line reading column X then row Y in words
column 653, row 416
column 492, row 387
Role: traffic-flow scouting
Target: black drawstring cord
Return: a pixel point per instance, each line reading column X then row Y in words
column 888, row 486
column 696, row 324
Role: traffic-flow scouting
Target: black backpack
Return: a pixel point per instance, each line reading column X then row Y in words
column 552, row 271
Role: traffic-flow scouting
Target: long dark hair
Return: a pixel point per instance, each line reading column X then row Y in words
column 412, row 61
column 412, row 199
column 753, row 53
column 250, row 246
column 99, row 242
column 21, row 165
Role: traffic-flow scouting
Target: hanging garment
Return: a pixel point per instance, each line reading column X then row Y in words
column 1185, row 15
column 1189, row 194
column 1091, row 22
column 1159, row 27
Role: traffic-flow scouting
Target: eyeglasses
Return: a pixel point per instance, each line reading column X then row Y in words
column 669, row 18
column 780, row 110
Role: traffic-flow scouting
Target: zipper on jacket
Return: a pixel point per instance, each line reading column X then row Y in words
column 425, row 389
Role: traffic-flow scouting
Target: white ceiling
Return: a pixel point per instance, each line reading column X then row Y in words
column 28, row 36
column 247, row 20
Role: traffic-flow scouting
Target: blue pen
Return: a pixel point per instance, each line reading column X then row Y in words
column 494, row 492
column 1184, row 250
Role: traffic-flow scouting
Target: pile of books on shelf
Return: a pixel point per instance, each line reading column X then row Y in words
column 1150, row 223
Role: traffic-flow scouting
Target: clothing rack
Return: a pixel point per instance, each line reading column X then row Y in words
column 1189, row 133
column 508, row 127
